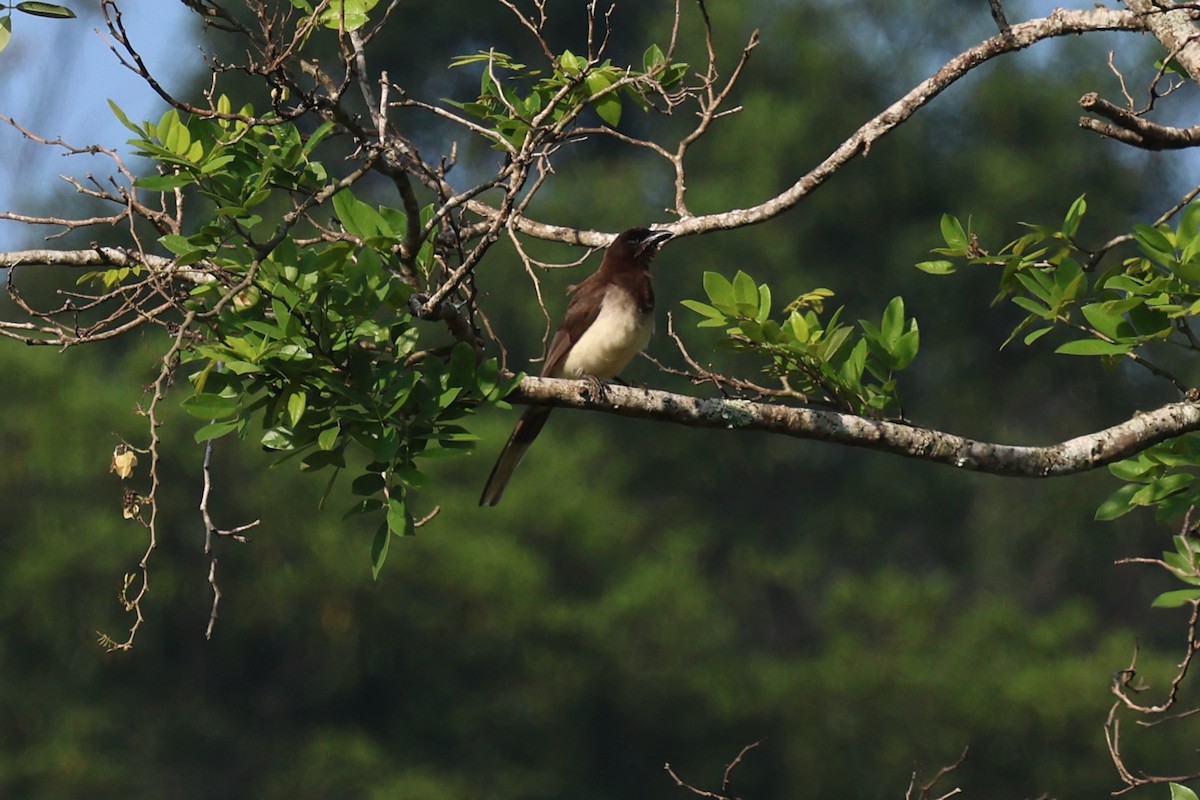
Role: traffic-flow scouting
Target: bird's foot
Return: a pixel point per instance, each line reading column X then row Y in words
column 595, row 387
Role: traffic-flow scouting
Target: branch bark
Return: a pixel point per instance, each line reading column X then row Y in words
column 1175, row 29
column 99, row 257
column 1081, row 454
column 1132, row 129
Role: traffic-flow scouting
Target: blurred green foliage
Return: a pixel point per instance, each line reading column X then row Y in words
column 644, row 595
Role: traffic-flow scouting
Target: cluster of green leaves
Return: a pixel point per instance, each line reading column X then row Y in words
column 1164, row 477
column 1145, row 299
column 34, row 8
column 514, row 100
column 348, row 15
column 313, row 347
column 1161, row 477
column 823, row 359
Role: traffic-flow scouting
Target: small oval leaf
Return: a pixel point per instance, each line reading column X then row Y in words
column 46, row 10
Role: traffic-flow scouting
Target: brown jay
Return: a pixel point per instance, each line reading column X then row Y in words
column 609, row 319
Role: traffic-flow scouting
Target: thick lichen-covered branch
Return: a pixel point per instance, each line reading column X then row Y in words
column 1080, row 454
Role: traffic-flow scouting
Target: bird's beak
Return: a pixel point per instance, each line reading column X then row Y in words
column 658, row 238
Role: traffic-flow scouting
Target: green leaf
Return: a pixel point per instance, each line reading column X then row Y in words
column 571, row 63
column 937, row 267
column 379, row 549
column 852, row 370
column 164, row 183
column 704, row 309
column 892, row 324
column 953, row 233
column 1180, row 792
column 46, row 10
column 1039, row 284
column 1189, row 226
column 904, row 350
column 1152, row 241
column 327, row 439
column 609, row 109
column 346, row 14
column 1132, row 469
column 210, row 406
column 745, row 291
column 277, row 439
column 1093, row 347
column 1162, row 488
column 317, row 136
column 5, row 31
column 764, row 302
column 1175, row 599
column 359, row 218
column 1103, row 320
column 673, row 74
column 1033, row 337
column 399, row 521
column 215, row 430
column 608, row 106
column 1032, row 306
column 718, row 289
column 320, row 459
column 1118, row 504
column 652, row 57
column 124, row 120
column 367, row 484
column 462, row 366
column 1074, row 216
column 296, row 405
column 1188, row 270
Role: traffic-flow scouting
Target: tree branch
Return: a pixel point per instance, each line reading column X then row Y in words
column 1081, row 454
column 1132, row 129
column 104, row 257
column 1061, row 22
column 1175, row 28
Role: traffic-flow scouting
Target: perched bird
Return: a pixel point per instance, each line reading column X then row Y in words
column 609, row 320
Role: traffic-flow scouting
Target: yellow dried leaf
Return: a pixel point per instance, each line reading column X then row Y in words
column 123, row 461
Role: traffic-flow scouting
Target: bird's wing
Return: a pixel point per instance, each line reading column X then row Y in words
column 582, row 310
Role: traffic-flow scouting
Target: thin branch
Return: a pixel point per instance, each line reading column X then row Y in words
column 725, row 778
column 1132, row 129
column 925, row 791
column 998, row 16
column 133, row 604
column 1060, row 23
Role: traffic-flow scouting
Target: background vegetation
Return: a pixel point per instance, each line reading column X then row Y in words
column 645, row 594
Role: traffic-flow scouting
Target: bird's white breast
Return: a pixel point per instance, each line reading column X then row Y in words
column 620, row 332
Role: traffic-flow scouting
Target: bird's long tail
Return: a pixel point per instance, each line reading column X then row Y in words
column 527, row 429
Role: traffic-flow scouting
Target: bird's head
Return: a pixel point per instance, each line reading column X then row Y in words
column 636, row 247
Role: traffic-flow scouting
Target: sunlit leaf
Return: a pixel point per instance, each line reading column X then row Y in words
column 1175, row 599
column 45, row 10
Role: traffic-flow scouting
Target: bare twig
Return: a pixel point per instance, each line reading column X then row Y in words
column 925, row 790
column 725, row 778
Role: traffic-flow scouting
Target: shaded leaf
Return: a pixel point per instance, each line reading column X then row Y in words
column 379, row 549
